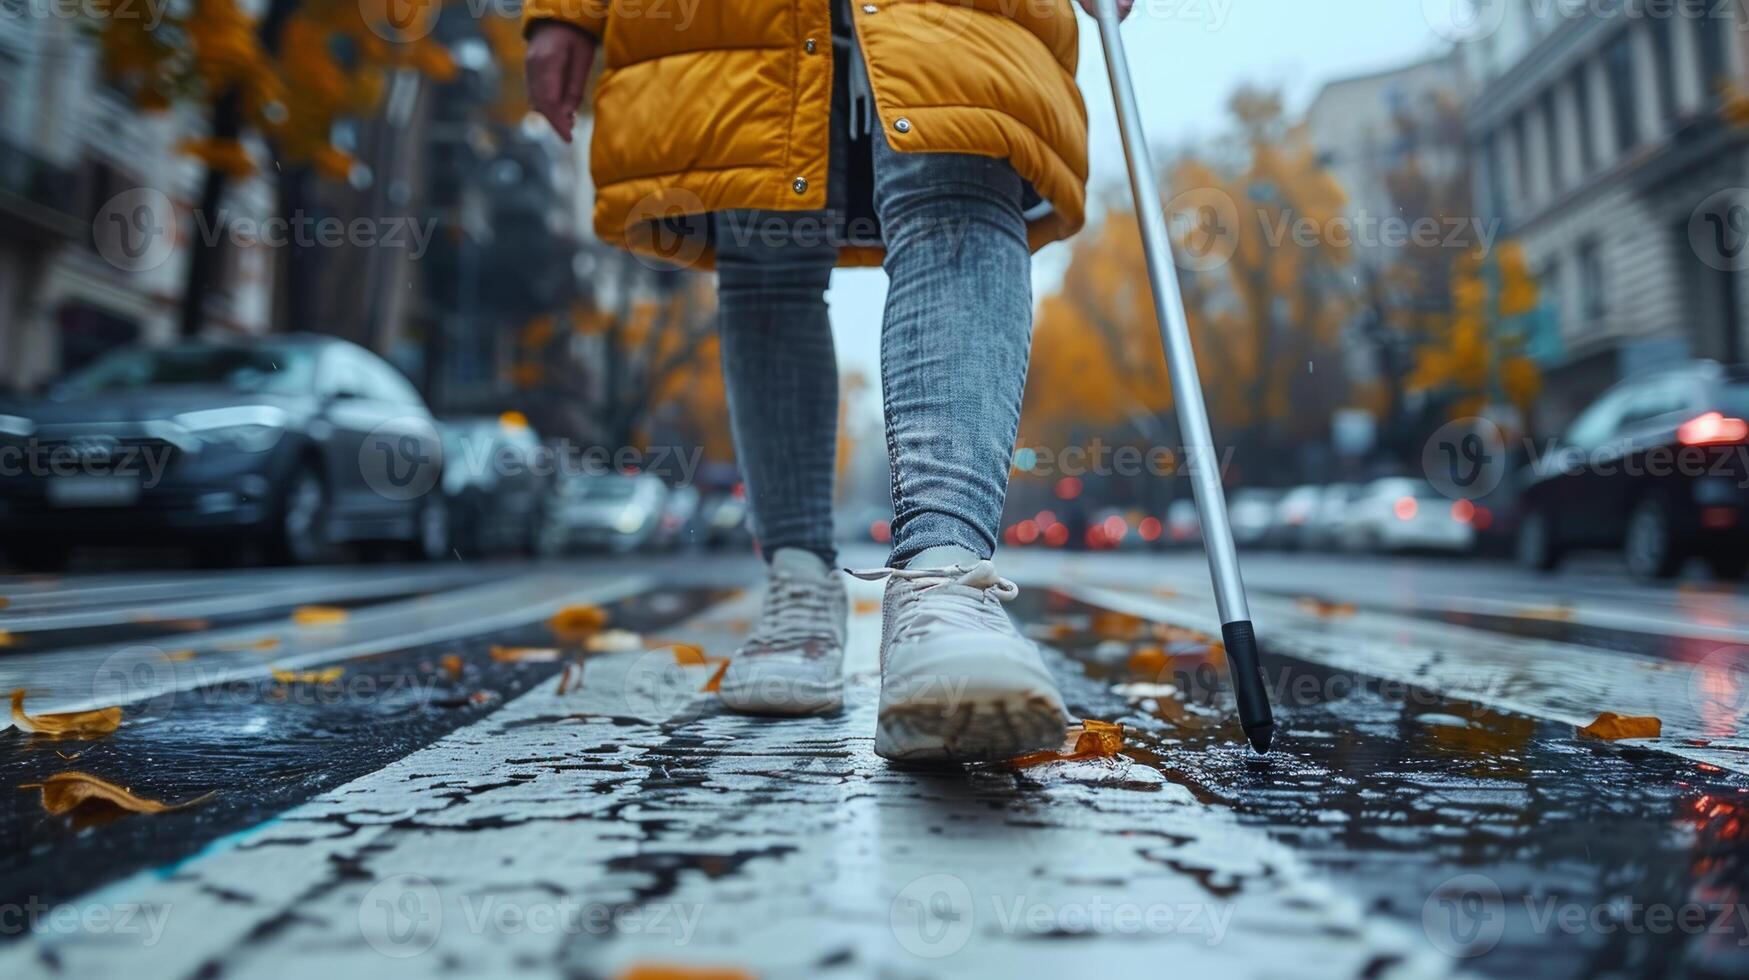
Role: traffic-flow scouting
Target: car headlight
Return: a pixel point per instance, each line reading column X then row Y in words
column 629, row 521
column 252, row 429
column 12, row 425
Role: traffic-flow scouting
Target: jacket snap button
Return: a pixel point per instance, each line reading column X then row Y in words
column 800, row 185
column 808, row 45
column 902, row 125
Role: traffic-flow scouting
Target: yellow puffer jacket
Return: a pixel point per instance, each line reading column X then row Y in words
column 708, row 105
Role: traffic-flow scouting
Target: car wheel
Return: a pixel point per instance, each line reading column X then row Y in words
column 431, row 541
column 1650, row 547
column 301, row 535
column 1729, row 567
column 1535, row 548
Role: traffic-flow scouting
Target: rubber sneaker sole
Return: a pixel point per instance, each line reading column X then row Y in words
column 968, row 707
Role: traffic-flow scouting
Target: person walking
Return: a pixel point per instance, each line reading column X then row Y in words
column 775, row 140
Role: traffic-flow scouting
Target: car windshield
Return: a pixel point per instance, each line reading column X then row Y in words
column 281, row 370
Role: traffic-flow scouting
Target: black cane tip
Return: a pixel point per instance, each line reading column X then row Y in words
column 1261, row 736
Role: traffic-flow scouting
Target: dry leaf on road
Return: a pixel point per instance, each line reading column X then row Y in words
column 72, row 724
column 67, row 791
column 577, row 622
column 318, row 615
column 1089, row 740
column 1610, row 725
column 327, row 675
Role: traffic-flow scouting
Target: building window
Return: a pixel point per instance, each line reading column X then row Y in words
column 1592, row 299
column 1556, row 145
column 1496, row 178
column 1548, row 285
column 1582, row 120
column 1664, row 67
column 1715, row 56
column 1618, row 66
column 1521, row 165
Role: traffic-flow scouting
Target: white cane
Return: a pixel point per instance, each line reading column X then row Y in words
column 1193, row 420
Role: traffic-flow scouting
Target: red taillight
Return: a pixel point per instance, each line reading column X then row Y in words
column 880, row 532
column 1483, row 520
column 1057, row 535
column 1149, row 529
column 1463, row 512
column 1712, row 429
column 1026, row 532
column 1406, row 508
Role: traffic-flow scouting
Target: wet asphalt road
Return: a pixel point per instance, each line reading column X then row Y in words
column 1430, row 808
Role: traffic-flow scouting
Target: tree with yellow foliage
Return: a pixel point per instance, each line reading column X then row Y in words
column 288, row 75
column 1257, row 270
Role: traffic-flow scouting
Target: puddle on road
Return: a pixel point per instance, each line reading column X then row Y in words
column 1397, row 791
column 264, row 747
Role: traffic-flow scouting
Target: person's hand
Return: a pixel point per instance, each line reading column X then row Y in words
column 557, row 66
column 1123, row 8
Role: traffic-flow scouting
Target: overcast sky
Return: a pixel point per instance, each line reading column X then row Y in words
column 1188, row 56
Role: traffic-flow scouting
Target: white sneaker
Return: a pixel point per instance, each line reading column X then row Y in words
column 793, row 664
column 958, row 682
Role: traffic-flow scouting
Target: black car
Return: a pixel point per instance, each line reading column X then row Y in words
column 495, row 485
column 1657, row 467
column 285, row 446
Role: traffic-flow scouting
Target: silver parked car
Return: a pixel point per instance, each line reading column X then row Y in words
column 619, row 512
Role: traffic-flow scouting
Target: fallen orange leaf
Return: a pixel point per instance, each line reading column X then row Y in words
column 452, row 666
column 577, row 622
column 72, row 724
column 1553, row 614
column 525, row 655
column 866, row 607
column 1149, row 661
column 674, row 971
column 327, row 675
column 186, row 625
column 1112, row 625
column 6, row 638
column 178, row 656
column 1089, row 740
column 4, row 602
column 715, row 684
column 1326, row 608
column 688, row 655
column 1612, row 726
column 318, row 615
column 67, row 791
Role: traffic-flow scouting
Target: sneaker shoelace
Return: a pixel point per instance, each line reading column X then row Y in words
column 965, row 598
column 798, row 616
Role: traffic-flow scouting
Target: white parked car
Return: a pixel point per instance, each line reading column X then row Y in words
column 1402, row 514
column 616, row 512
column 1183, row 524
column 1252, row 512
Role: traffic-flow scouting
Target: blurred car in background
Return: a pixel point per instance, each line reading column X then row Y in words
column 1292, row 513
column 284, row 446
column 496, row 493
column 1654, row 467
column 1323, row 528
column 618, row 512
column 679, row 522
column 1183, row 524
column 1252, row 512
column 1404, row 514
column 722, row 519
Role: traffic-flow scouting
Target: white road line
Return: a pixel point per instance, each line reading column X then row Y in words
column 245, row 595
column 93, row 677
